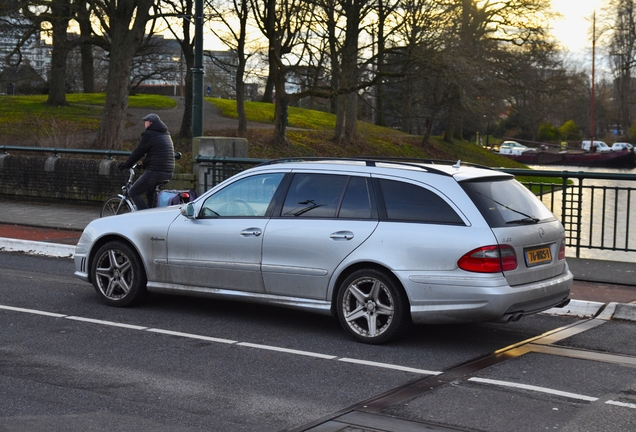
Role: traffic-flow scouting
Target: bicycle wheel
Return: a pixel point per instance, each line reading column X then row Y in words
column 114, row 206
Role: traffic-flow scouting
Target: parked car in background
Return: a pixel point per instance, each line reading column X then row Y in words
column 379, row 244
column 595, row 146
column 514, row 148
column 620, row 146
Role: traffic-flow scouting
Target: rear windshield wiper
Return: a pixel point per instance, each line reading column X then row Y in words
column 527, row 218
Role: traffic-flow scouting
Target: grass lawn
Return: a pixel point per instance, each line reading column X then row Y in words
column 29, row 117
column 309, row 133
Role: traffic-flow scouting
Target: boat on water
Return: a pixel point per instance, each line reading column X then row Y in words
column 581, row 157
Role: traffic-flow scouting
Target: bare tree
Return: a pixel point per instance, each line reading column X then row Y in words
column 354, row 12
column 281, row 22
column 124, row 23
column 418, row 70
column 236, row 39
column 482, row 32
column 382, row 30
column 18, row 24
column 182, row 11
column 154, row 61
column 622, row 55
column 535, row 82
column 58, row 14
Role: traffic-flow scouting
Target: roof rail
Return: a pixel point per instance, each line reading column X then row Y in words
column 430, row 161
column 372, row 160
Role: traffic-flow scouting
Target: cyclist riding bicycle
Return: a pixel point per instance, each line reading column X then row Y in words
column 156, row 145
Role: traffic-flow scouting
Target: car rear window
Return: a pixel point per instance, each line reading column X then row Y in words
column 412, row 203
column 505, row 202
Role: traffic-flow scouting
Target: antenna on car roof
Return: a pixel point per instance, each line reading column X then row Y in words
column 457, row 164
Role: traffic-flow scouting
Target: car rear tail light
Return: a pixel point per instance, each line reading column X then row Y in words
column 562, row 249
column 489, row 259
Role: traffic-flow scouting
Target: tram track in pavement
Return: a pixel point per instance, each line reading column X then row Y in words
column 368, row 412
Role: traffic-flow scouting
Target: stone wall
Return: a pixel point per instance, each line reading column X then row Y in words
column 76, row 180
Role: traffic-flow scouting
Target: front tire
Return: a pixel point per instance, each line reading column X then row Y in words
column 372, row 307
column 118, row 275
column 114, row 206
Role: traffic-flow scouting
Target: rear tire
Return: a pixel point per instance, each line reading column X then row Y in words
column 372, row 307
column 118, row 275
column 114, row 206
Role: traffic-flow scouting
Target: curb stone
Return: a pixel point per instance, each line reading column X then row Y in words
column 37, row 248
column 625, row 312
column 578, row 308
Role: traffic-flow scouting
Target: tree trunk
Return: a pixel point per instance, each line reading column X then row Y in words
column 276, row 73
column 427, row 133
column 346, row 115
column 351, row 125
column 339, row 131
column 88, row 68
column 117, row 87
column 126, row 36
column 60, row 10
column 268, row 92
column 379, row 86
column 624, row 94
column 281, row 102
column 240, row 96
column 187, row 49
column 86, row 50
column 186, row 120
column 335, row 70
column 240, row 71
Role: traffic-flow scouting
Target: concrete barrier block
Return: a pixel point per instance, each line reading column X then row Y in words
column 625, row 311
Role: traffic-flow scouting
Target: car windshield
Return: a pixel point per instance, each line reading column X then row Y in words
column 506, row 202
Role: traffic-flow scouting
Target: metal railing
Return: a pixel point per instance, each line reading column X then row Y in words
column 594, row 208
column 214, row 170
column 4, row 149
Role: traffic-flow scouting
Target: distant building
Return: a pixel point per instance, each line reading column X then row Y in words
column 220, row 75
column 28, row 67
column 158, row 68
column 22, row 79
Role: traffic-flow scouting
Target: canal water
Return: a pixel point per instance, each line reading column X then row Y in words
column 608, row 215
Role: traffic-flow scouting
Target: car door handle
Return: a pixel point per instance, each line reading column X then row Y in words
column 251, row 232
column 341, row 235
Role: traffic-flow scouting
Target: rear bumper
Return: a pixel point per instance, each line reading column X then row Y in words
column 479, row 298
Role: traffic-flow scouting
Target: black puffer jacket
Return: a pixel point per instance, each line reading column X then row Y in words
column 157, row 146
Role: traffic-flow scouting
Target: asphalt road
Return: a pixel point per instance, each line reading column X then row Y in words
column 68, row 362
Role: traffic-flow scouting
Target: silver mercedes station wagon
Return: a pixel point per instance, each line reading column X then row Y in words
column 379, row 244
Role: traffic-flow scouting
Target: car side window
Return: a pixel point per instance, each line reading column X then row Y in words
column 249, row 196
column 356, row 203
column 409, row 202
column 314, row 195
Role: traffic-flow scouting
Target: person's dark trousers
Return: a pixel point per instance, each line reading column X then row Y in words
column 146, row 185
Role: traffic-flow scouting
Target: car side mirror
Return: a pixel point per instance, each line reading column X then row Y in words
column 188, row 210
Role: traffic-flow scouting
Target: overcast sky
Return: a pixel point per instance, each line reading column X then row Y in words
column 573, row 31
